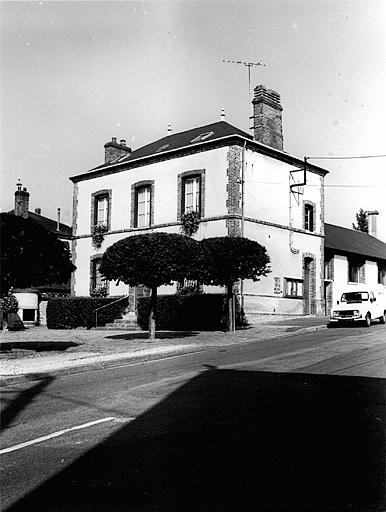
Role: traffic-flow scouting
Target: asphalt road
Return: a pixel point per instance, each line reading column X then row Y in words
column 292, row 424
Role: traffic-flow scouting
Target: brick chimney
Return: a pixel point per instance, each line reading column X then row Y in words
column 372, row 216
column 21, row 201
column 113, row 150
column 267, row 118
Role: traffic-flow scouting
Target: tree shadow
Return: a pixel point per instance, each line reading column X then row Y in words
column 237, row 441
column 37, row 346
column 160, row 335
column 16, row 405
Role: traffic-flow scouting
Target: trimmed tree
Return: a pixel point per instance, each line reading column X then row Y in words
column 151, row 260
column 228, row 259
column 30, row 255
column 362, row 221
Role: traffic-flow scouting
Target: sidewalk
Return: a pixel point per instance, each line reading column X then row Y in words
column 38, row 352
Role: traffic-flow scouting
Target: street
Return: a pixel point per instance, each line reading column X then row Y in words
column 289, row 424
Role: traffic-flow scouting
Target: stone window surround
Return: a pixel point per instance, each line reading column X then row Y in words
column 180, row 190
column 133, row 211
column 94, row 199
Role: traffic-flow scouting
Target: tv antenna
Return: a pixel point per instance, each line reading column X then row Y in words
column 248, row 65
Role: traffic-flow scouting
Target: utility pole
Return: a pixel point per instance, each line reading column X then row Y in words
column 248, row 65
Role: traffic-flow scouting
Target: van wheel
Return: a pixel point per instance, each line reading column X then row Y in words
column 368, row 320
column 382, row 319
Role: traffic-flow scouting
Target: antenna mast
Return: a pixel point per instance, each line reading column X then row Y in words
column 249, row 65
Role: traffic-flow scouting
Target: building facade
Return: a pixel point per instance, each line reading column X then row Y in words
column 240, row 185
column 353, row 261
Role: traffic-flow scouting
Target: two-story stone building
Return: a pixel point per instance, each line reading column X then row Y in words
column 241, row 185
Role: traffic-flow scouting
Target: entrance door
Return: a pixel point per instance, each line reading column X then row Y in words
column 306, row 286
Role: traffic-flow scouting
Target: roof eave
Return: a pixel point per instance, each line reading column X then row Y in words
column 264, row 149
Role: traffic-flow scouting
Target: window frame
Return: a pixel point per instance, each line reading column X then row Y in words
column 136, row 188
column 183, row 178
column 95, row 277
column 296, row 283
column 309, row 216
column 96, row 198
column 355, row 264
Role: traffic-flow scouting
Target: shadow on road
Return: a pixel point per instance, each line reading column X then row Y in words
column 13, row 407
column 160, row 335
column 237, row 441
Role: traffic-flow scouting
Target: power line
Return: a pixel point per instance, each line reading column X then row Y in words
column 343, row 157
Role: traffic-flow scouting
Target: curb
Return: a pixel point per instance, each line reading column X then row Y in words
column 104, row 365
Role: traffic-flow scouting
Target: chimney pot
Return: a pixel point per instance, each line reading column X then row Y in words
column 123, row 142
column 38, row 211
column 114, row 140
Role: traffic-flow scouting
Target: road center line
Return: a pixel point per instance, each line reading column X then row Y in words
column 54, row 434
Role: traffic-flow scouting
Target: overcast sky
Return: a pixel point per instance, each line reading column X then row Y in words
column 76, row 74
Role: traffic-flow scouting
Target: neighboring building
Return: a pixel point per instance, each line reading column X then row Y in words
column 240, row 185
column 33, row 302
column 353, row 260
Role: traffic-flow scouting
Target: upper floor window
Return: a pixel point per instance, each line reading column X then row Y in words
column 192, row 198
column 191, row 192
column 142, row 212
column 309, row 212
column 101, row 208
column 143, row 199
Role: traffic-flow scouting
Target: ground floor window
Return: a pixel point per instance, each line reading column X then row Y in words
column 98, row 283
column 293, row 288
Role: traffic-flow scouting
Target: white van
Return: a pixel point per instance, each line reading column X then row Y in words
column 362, row 305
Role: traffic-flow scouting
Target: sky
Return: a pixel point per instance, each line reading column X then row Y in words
column 76, row 74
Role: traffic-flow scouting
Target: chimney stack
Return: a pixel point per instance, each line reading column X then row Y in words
column 21, row 201
column 372, row 216
column 267, row 117
column 113, row 150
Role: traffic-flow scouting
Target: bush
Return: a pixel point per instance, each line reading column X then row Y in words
column 73, row 312
column 191, row 312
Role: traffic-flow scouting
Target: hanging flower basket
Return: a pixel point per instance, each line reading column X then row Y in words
column 98, row 235
column 190, row 223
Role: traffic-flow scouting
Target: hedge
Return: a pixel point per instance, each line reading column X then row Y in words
column 73, row 312
column 195, row 312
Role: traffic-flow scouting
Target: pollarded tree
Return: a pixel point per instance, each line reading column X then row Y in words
column 30, row 255
column 152, row 260
column 227, row 259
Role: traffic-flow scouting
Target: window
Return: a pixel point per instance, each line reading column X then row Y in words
column 309, row 217
column 101, row 208
column 98, row 284
column 293, row 288
column 382, row 274
column 192, row 195
column 142, row 204
column 143, row 196
column 354, row 268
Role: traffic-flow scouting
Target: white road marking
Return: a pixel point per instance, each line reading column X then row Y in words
column 54, row 434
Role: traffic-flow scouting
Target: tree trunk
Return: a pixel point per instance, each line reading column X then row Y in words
column 153, row 303
column 231, row 321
